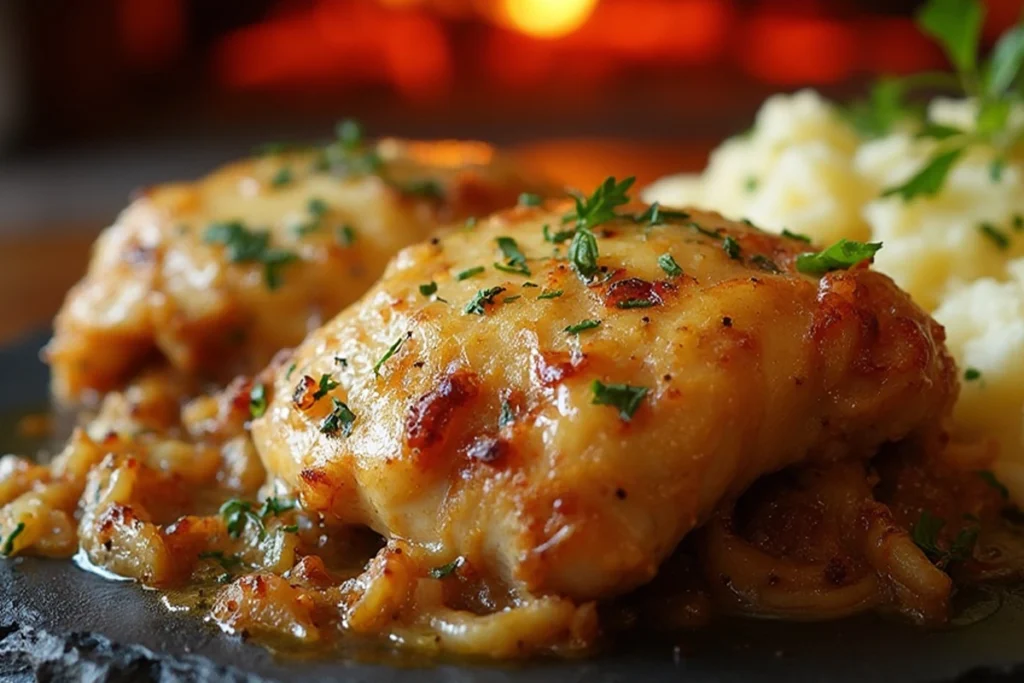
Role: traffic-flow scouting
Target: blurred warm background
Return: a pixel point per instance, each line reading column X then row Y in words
column 98, row 97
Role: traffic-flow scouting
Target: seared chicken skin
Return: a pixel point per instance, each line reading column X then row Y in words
column 216, row 276
column 564, row 432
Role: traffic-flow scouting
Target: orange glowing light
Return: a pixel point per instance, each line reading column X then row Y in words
column 448, row 153
column 548, row 18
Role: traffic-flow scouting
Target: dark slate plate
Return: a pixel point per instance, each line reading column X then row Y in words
column 59, row 623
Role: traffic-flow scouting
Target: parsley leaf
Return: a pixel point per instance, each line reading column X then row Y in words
column 258, row 400
column 998, row 237
column 340, row 419
column 446, row 570
column 428, row 288
column 390, row 352
column 228, row 562
column 345, row 235
column 469, row 272
column 423, row 188
column 925, row 533
column 1005, row 62
column 635, row 303
column 505, row 416
column 283, row 177
column 731, row 247
column 669, row 265
column 929, row 180
column 510, row 250
column 557, row 237
column 622, row 396
column 972, row 374
column 796, row 236
column 656, row 215
column 249, row 246
column 237, row 514
column 530, row 199
column 550, row 294
column 600, row 206
column 477, row 305
column 275, row 506
column 327, row 384
column 8, row 546
column 587, row 324
column 583, row 253
column 956, row 24
column 990, row 479
column 840, row 256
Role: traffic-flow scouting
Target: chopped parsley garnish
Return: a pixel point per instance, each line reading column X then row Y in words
column 530, row 199
column 765, row 263
column 349, row 154
column 590, row 212
column 290, row 529
column 505, row 415
column 228, row 562
column 990, row 479
column 655, row 215
column 237, row 514
column 669, row 265
column 731, row 247
column 840, row 256
column 925, row 534
column 972, row 374
column 550, row 294
column 340, row 419
column 750, row 184
column 326, row 385
column 388, row 354
column 258, row 400
column 345, row 235
column 283, row 177
column 291, row 369
column 469, row 272
column 511, row 298
column 477, row 305
column 635, row 303
column 317, row 207
column 929, row 179
column 518, row 269
column 429, row 288
column 998, row 237
column 423, row 188
column 8, row 546
column 557, row 237
column 510, row 250
column 992, row 84
column 694, row 225
column 250, row 246
column 583, row 325
column 583, row 253
column 446, row 570
column 275, row 506
column 343, row 362
column 796, row 236
column 622, row 396
column 1018, row 223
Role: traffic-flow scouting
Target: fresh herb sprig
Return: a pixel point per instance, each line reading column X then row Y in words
column 590, row 212
column 925, row 534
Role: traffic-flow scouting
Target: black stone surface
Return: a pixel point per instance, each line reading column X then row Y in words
column 59, row 623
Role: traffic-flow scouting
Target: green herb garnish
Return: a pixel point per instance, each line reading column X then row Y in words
column 990, row 479
column 477, row 305
column 505, row 415
column 446, row 570
column 530, row 199
column 925, row 534
column 326, row 385
column 731, row 247
column 8, row 546
column 972, row 374
column 583, row 325
column 387, row 355
column 275, row 506
column 469, row 272
column 656, row 215
column 257, row 400
column 622, row 396
column 840, row 256
column 340, row 419
column 635, row 303
column 590, row 212
column 429, row 288
column 929, row 179
column 345, row 235
column 423, row 188
column 250, row 246
column 283, row 177
column 228, row 562
column 765, row 263
column 237, row 514
column 556, row 237
column 550, row 294
column 998, row 237
column 669, row 265
column 796, row 236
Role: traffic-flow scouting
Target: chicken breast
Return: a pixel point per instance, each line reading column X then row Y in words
column 215, row 276
column 564, row 433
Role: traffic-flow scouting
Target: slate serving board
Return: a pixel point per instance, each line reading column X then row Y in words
column 59, row 623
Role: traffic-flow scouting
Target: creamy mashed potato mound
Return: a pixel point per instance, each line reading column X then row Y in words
column 803, row 167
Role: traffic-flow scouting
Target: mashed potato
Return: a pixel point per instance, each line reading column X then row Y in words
column 805, row 168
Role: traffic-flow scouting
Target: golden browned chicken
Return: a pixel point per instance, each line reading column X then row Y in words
column 216, row 276
column 559, row 395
